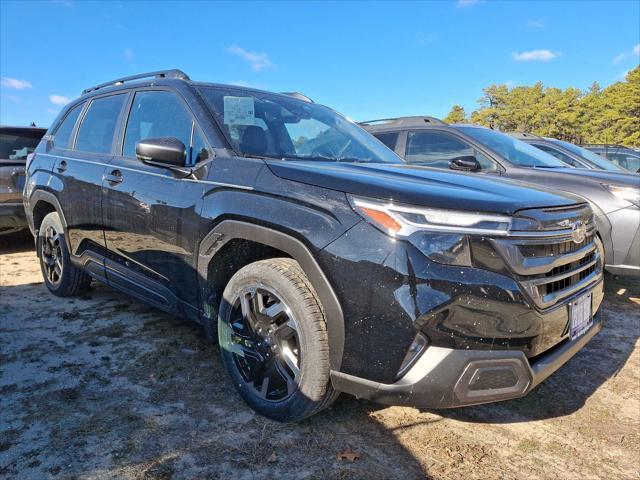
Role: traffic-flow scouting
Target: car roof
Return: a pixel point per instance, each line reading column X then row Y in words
column 525, row 136
column 401, row 122
column 171, row 77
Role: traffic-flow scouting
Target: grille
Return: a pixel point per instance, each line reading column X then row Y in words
column 566, row 282
column 553, row 249
column 489, row 378
column 553, row 268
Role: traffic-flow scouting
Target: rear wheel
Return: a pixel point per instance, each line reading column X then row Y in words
column 61, row 277
column 273, row 340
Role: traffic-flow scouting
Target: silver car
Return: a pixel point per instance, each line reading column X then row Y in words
column 615, row 197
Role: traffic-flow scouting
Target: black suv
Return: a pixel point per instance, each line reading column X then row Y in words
column 320, row 259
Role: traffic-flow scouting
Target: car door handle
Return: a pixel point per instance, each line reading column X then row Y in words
column 114, row 177
column 62, row 166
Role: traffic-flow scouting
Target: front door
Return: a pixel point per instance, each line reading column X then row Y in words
column 150, row 212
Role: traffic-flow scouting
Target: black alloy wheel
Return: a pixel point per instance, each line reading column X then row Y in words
column 51, row 255
column 265, row 343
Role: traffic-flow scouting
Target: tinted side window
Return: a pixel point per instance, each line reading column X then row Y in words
column 389, row 139
column 199, row 151
column 155, row 115
column 436, row 149
column 559, row 155
column 62, row 137
column 99, row 124
column 630, row 162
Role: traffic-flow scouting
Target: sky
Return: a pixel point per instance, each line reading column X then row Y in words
column 366, row 60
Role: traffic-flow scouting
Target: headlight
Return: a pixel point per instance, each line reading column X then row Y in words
column 630, row 194
column 403, row 221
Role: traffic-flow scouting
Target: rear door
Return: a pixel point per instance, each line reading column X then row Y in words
column 150, row 212
column 83, row 146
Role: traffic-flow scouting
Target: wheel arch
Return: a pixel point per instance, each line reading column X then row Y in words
column 276, row 241
column 41, row 203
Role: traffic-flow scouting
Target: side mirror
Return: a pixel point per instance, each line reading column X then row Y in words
column 467, row 163
column 166, row 151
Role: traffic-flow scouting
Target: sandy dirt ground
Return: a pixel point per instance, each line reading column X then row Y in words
column 103, row 387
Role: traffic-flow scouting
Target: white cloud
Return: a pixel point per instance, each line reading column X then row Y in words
column 467, row 3
column 59, row 99
column 15, row 83
column 535, row 24
column 535, row 56
column 619, row 58
column 258, row 61
column 129, row 55
column 635, row 51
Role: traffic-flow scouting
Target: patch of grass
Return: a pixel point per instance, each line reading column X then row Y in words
column 529, row 445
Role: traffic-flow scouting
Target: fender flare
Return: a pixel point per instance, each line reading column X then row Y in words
column 233, row 229
column 42, row 195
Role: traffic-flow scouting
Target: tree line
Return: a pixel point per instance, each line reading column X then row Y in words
column 598, row 115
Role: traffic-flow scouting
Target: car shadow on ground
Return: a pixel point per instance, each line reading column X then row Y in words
column 14, row 242
column 105, row 386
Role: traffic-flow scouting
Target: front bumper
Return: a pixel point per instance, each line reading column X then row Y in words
column 447, row 378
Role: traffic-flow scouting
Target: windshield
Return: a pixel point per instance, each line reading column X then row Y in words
column 515, row 151
column 16, row 146
column 594, row 158
column 277, row 126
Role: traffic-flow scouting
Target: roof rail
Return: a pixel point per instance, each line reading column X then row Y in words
column 174, row 73
column 523, row 135
column 603, row 145
column 404, row 121
column 298, row 95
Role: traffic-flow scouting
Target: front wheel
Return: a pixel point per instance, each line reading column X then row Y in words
column 273, row 340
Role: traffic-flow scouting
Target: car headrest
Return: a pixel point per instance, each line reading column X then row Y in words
column 254, row 140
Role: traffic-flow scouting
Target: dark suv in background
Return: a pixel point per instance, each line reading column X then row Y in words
column 16, row 143
column 322, row 261
column 614, row 196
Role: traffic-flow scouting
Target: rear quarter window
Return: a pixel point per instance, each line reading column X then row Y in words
column 389, row 139
column 62, row 137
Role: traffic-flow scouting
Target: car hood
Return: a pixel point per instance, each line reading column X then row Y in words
column 422, row 186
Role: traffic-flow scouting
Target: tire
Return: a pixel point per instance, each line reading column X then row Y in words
column 61, row 277
column 298, row 368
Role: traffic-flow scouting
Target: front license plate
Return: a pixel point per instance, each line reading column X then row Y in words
column 581, row 318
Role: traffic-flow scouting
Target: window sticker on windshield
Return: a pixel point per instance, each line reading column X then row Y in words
column 239, row 110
